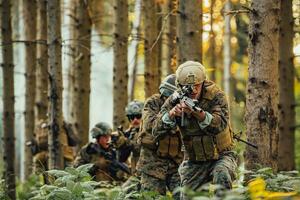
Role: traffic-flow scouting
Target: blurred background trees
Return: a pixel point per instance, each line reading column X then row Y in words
column 113, row 52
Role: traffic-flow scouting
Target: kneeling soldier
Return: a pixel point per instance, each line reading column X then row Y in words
column 100, row 153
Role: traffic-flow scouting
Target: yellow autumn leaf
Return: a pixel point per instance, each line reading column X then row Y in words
column 257, row 190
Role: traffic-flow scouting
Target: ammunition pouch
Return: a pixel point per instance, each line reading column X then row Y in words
column 169, row 146
column 208, row 147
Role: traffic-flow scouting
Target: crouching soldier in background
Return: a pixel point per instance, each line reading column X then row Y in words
column 39, row 145
column 160, row 152
column 102, row 155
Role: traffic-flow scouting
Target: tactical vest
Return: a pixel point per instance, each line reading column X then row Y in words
column 200, row 145
column 167, row 147
column 170, row 146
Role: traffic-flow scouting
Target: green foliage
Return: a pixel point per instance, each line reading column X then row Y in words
column 70, row 183
column 25, row 190
column 3, row 194
column 76, row 183
column 285, row 181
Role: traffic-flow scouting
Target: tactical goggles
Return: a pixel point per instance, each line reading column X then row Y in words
column 132, row 117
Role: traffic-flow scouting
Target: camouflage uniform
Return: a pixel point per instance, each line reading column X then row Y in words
column 128, row 147
column 101, row 154
column 102, row 169
column 207, row 151
column 160, row 153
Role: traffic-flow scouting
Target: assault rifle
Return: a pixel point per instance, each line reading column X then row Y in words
column 182, row 96
column 238, row 138
column 95, row 148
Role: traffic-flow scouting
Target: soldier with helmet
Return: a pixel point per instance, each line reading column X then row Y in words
column 204, row 127
column 160, row 155
column 127, row 142
column 100, row 153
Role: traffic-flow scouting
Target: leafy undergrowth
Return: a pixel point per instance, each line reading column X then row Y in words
column 77, row 184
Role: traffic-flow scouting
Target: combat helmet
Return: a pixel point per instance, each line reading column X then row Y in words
column 190, row 73
column 134, row 107
column 167, row 86
column 100, row 129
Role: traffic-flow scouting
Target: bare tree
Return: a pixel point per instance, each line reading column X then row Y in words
column 29, row 11
column 171, row 37
column 81, row 71
column 42, row 62
column 262, row 92
column 151, row 74
column 8, row 99
column 227, row 49
column 120, row 79
column 212, row 43
column 189, row 31
column 55, row 80
column 286, row 89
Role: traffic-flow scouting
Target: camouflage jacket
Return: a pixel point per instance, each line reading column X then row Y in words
column 154, row 160
column 213, row 101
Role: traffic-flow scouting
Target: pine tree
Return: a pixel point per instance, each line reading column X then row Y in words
column 120, row 79
column 8, row 99
column 262, row 91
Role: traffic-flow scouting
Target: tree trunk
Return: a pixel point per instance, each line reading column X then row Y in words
column 151, row 74
column 159, row 41
column 262, row 92
column 42, row 62
column 227, row 49
column 212, row 43
column 120, row 79
column 82, row 70
column 55, row 80
column 29, row 11
column 138, row 45
column 171, row 37
column 286, row 153
column 8, row 99
column 72, row 60
column 189, row 31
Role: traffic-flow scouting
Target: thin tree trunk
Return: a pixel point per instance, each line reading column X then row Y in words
column 227, row 49
column 42, row 62
column 30, row 85
column 262, row 92
column 286, row 157
column 55, row 80
column 8, row 99
column 72, row 60
column 151, row 74
column 137, row 48
column 82, row 70
column 189, row 31
column 159, row 42
column 212, row 42
column 171, row 37
column 120, row 79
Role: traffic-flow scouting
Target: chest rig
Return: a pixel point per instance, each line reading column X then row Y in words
column 200, row 145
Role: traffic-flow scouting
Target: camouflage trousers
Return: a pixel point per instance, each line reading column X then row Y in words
column 171, row 182
column 195, row 174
